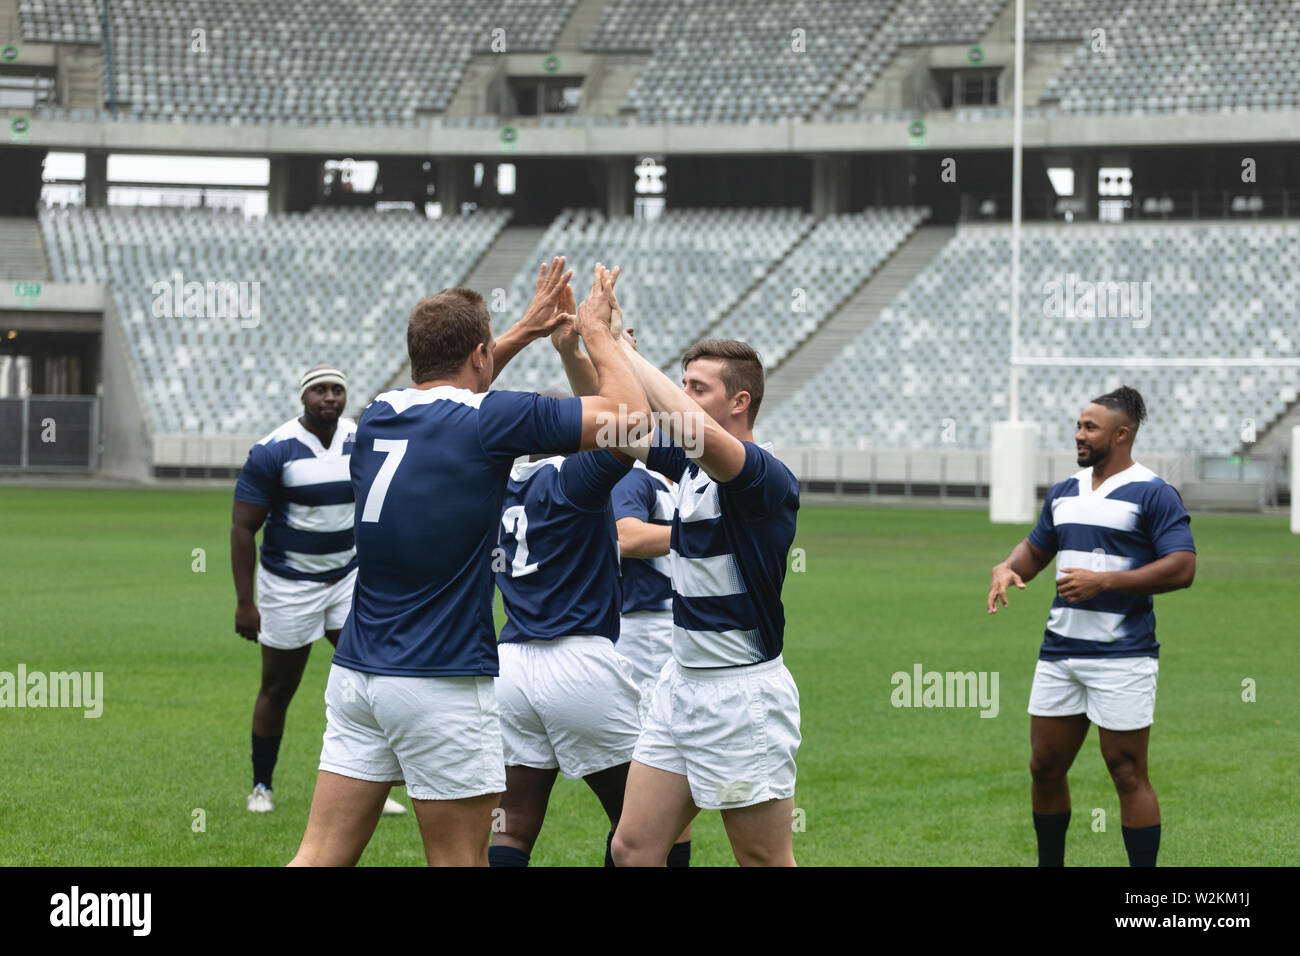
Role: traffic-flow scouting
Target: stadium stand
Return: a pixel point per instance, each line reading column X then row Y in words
column 684, row 271
column 1173, row 55
column 382, row 61
column 815, row 279
column 333, row 286
column 935, row 356
column 400, row 62
column 912, row 23
column 716, row 62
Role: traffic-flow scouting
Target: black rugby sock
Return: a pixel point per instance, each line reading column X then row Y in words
column 1142, row 844
column 507, row 856
column 265, row 752
column 1051, row 828
column 680, row 854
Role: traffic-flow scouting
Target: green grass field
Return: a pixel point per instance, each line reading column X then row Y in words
column 104, row 581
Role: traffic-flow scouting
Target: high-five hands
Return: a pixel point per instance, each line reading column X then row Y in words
column 615, row 310
column 594, row 311
column 545, row 311
column 565, row 336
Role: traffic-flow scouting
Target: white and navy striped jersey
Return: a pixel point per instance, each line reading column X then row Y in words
column 308, row 488
column 728, row 555
column 1130, row 520
column 558, row 567
column 647, row 496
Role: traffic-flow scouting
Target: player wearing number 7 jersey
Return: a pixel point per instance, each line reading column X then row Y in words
column 410, row 694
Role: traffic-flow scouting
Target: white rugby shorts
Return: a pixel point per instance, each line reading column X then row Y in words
column 733, row 732
column 296, row 612
column 1117, row 693
column 568, row 703
column 645, row 638
column 441, row 735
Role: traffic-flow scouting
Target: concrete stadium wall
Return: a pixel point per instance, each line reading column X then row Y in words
column 124, row 423
column 942, row 133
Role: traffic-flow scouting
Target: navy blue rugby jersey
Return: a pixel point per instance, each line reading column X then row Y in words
column 1130, row 520
column 429, row 472
column 308, row 491
column 646, row 496
column 730, row 541
column 558, row 565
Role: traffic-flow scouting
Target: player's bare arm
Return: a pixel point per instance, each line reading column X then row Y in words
column 577, row 367
column 641, row 539
column 620, row 410
column 540, row 319
column 721, row 454
column 1171, row 573
column 1021, row 566
column 245, row 520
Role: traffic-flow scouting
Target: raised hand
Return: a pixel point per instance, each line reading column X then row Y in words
column 615, row 311
column 594, row 311
column 565, row 337
column 543, row 314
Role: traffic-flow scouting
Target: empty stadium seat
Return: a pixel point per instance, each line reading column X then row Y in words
column 931, row 371
column 331, row 286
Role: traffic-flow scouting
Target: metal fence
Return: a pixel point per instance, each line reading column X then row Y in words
column 49, row 433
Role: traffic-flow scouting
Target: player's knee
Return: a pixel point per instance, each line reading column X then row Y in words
column 278, row 692
column 764, row 855
column 1045, row 768
column 1125, row 773
column 629, row 852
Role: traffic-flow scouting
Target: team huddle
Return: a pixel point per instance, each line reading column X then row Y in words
column 638, row 537
column 640, row 555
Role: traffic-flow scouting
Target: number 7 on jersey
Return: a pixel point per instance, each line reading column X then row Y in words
column 394, row 449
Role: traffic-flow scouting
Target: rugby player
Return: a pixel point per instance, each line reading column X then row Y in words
column 568, row 703
column 643, row 516
column 722, row 728
column 1120, row 534
column 410, row 693
column 298, row 476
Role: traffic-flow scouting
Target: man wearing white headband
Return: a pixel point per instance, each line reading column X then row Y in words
column 297, row 481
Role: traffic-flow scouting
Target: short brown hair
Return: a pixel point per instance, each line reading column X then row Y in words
column 442, row 332
column 742, row 369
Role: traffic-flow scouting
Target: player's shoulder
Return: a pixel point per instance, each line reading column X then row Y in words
column 413, row 400
column 523, row 472
column 775, row 468
column 281, row 443
column 283, row 432
column 1141, row 484
column 1155, row 488
column 1070, row 486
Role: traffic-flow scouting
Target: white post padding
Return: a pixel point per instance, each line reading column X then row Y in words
column 1013, row 498
column 1295, row 479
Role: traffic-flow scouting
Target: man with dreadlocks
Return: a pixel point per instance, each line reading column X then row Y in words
column 1120, row 534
